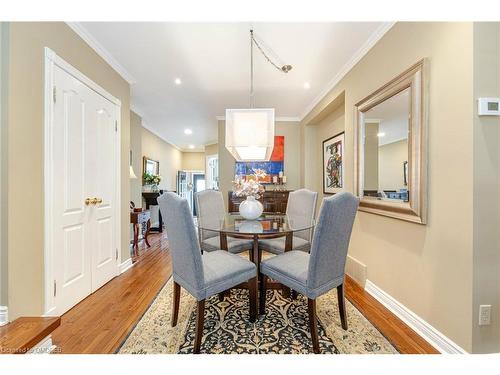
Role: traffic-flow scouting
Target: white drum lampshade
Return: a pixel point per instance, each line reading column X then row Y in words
column 250, row 133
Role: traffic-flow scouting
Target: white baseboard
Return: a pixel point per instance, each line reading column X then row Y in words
column 356, row 270
column 438, row 340
column 43, row 347
column 126, row 265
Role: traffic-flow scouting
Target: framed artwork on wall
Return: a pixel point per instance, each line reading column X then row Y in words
column 333, row 164
column 273, row 167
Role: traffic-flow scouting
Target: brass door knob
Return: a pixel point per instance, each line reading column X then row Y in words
column 90, row 201
column 98, row 200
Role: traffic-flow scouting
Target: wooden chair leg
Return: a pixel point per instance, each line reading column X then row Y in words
column 200, row 315
column 262, row 302
column 252, row 291
column 313, row 325
column 175, row 304
column 342, row 309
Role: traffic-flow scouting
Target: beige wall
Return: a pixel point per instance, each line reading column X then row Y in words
column 331, row 125
column 390, row 165
column 426, row 268
column 3, row 161
column 26, row 154
column 193, row 161
column 212, row 149
column 170, row 158
column 136, row 148
column 486, row 138
column 291, row 131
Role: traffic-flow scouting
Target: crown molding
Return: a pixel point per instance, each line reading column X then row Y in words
column 358, row 55
column 79, row 29
column 276, row 119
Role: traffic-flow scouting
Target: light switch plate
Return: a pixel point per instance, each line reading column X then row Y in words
column 484, row 315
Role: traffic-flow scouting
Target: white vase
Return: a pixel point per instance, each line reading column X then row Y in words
column 251, row 208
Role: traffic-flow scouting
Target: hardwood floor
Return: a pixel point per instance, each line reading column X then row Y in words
column 397, row 332
column 101, row 322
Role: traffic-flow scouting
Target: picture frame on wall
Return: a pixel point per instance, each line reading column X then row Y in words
column 333, row 164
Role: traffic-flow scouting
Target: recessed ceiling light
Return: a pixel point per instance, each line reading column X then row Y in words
column 191, row 146
column 307, row 85
column 381, row 134
column 178, row 81
column 188, row 131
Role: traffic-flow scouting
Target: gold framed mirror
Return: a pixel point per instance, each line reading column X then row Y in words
column 390, row 148
column 150, row 166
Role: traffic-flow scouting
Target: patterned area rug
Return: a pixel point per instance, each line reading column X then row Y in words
column 284, row 328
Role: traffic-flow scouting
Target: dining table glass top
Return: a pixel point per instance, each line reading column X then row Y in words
column 266, row 224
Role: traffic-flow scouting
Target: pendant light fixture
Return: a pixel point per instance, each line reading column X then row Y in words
column 250, row 131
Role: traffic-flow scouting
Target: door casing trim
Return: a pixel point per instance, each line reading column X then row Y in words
column 51, row 60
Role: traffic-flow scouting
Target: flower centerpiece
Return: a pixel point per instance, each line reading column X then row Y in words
column 153, row 180
column 252, row 189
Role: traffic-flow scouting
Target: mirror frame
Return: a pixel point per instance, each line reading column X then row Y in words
column 145, row 160
column 416, row 209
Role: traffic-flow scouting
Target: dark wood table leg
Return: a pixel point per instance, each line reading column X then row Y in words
column 136, row 239
column 148, row 228
column 256, row 253
column 288, row 247
column 223, row 241
column 223, row 246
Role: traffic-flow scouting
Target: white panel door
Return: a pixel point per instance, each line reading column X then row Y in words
column 104, row 255
column 71, row 229
column 84, row 164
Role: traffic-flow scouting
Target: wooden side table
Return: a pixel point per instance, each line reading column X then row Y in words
column 140, row 218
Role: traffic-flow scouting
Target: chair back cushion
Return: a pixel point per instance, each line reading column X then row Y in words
column 183, row 243
column 210, row 208
column 301, row 208
column 331, row 239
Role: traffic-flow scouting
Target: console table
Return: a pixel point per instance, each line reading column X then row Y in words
column 274, row 201
column 140, row 218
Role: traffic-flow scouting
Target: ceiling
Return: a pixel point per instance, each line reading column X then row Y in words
column 212, row 61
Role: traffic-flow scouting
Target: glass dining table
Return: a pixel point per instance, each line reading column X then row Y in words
column 267, row 226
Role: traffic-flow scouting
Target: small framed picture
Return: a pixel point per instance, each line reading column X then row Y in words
column 333, row 164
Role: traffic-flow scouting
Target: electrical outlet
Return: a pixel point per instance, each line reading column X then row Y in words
column 484, row 315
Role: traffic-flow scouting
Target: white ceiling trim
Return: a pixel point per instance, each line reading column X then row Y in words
column 101, row 51
column 278, row 118
column 360, row 53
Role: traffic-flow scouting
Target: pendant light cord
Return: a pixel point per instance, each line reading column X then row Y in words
column 284, row 69
column 251, row 69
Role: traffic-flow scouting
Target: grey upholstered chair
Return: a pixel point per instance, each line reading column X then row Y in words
column 210, row 208
column 201, row 275
column 323, row 269
column 300, row 209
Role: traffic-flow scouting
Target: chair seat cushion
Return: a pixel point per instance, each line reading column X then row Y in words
column 234, row 245
column 289, row 268
column 277, row 245
column 222, row 271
